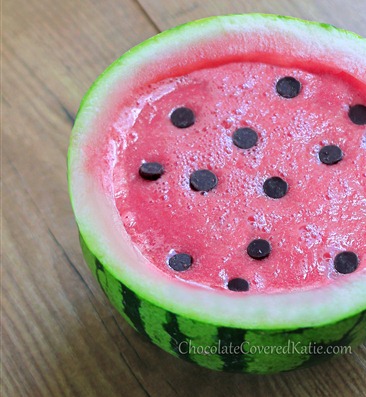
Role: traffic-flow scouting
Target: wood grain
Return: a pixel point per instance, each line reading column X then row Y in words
column 60, row 336
column 346, row 15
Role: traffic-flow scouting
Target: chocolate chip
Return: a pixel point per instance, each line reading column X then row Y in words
column 238, row 284
column 245, row 138
column 346, row 262
column 182, row 117
column 259, row 249
column 180, row 262
column 330, row 154
column 151, row 171
column 288, row 87
column 357, row 114
column 275, row 187
column 202, row 180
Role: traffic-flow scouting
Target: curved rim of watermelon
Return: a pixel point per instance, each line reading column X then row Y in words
column 95, row 212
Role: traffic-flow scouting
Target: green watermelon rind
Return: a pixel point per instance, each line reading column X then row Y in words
column 184, row 337
column 168, row 323
column 203, row 21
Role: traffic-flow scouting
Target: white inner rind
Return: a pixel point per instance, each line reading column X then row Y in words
column 93, row 201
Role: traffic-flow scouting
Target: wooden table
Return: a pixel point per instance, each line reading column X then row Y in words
column 60, row 335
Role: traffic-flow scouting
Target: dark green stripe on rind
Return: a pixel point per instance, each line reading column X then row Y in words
column 100, row 275
column 169, row 331
column 131, row 303
column 179, row 342
column 231, row 345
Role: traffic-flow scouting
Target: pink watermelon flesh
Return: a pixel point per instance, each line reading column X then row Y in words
column 322, row 214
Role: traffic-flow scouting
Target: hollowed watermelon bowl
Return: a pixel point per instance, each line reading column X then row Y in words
column 217, row 174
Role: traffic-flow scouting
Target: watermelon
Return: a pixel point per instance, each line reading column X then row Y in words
column 217, row 173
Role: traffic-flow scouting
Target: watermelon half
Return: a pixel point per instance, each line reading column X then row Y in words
column 217, row 173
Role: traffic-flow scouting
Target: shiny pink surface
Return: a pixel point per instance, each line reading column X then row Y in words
column 323, row 213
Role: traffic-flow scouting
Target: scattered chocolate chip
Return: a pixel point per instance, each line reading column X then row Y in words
column 151, row 171
column 288, row 87
column 357, row 114
column 259, row 249
column 180, row 262
column 346, row 262
column 202, row 180
column 275, row 187
column 238, row 284
column 245, row 138
column 330, row 154
column 182, row 117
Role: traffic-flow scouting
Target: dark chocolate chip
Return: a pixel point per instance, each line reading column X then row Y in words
column 357, row 114
column 202, row 180
column 238, row 284
column 275, row 187
column 245, row 138
column 330, row 154
column 346, row 262
column 180, row 262
column 259, row 249
column 288, row 87
column 151, row 171
column 182, row 117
